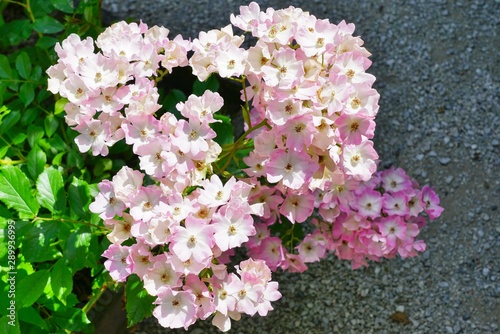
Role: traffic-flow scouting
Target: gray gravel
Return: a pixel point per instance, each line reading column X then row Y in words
column 437, row 68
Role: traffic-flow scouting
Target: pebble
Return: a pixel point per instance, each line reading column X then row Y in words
column 443, row 284
column 444, row 161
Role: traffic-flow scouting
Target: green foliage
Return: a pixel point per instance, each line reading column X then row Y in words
column 45, row 182
column 139, row 303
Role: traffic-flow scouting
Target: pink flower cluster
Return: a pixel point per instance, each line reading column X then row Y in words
column 181, row 246
column 358, row 221
column 309, row 110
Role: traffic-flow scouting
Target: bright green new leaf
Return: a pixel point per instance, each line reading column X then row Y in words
column 29, row 289
column 50, row 188
column 23, row 65
column 19, row 138
column 5, row 70
column 79, row 198
column 36, row 162
column 47, row 25
column 15, row 191
column 3, row 151
column 59, row 106
column 61, row 280
column 27, row 93
column 139, row 303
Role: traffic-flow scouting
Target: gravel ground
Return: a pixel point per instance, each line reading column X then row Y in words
column 437, row 68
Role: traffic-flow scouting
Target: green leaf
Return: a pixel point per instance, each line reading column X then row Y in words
column 57, row 160
column 46, row 42
column 174, row 96
column 102, row 166
column 5, row 70
column 224, row 130
column 35, row 133
column 9, row 120
column 65, row 6
column 79, row 198
column 9, row 326
column 75, row 159
column 16, row 31
column 36, row 75
column 19, row 138
column 76, row 251
column 71, row 319
column 36, row 162
column 51, row 123
column 29, row 289
column 27, row 93
column 37, row 240
column 47, row 25
column 139, row 303
column 15, row 191
column 211, row 83
column 59, row 106
column 29, row 115
column 23, row 65
column 31, row 316
column 50, row 188
column 61, row 281
column 3, row 151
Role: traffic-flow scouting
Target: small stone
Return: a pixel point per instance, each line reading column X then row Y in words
column 400, row 308
column 486, row 271
column 485, row 217
column 448, row 179
column 466, row 316
column 419, row 156
column 444, row 161
column 443, row 284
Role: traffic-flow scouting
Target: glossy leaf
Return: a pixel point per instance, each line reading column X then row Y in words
column 27, row 93
column 29, row 289
column 79, row 198
column 36, row 162
column 139, row 303
column 23, row 65
column 5, row 69
column 50, row 189
column 61, row 281
column 15, row 191
column 47, row 25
